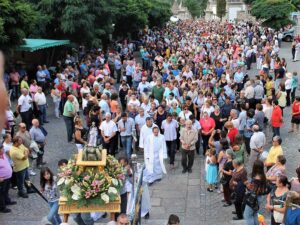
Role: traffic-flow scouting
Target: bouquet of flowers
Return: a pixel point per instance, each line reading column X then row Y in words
column 91, row 186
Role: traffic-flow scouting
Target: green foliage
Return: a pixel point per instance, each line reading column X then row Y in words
column 91, row 22
column 274, row 13
column 17, row 20
column 196, row 7
column 221, row 8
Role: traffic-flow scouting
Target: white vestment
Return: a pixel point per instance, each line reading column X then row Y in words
column 155, row 151
column 144, row 133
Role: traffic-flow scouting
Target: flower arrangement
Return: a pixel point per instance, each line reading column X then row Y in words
column 91, row 186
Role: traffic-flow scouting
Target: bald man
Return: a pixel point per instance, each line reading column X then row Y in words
column 257, row 143
column 25, row 108
column 69, row 114
column 39, row 137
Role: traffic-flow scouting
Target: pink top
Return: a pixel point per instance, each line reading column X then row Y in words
column 33, row 89
column 5, row 167
column 207, row 124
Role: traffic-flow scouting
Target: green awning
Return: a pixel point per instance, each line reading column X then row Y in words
column 32, row 45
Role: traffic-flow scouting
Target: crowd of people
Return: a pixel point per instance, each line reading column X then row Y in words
column 189, row 90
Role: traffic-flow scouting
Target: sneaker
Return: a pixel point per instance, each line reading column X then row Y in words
column 32, row 173
column 190, row 170
column 184, row 171
column 6, row 210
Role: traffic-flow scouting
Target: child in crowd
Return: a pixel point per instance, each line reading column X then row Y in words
column 211, row 169
column 50, row 191
column 128, row 183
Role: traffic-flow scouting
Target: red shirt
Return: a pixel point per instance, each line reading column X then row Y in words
column 207, row 124
column 232, row 134
column 276, row 118
column 296, row 109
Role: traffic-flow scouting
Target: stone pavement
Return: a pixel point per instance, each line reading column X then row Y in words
column 181, row 194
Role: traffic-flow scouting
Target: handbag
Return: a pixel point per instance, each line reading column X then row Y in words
column 251, row 200
column 223, row 181
column 278, row 217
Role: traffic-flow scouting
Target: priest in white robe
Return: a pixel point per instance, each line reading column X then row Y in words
column 146, row 131
column 155, row 151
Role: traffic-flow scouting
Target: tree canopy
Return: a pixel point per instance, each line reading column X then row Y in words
column 83, row 22
column 17, row 20
column 274, row 13
column 221, row 8
column 196, row 7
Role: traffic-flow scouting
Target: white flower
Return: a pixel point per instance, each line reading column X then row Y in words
column 112, row 190
column 75, row 189
column 75, row 196
column 61, row 181
column 105, row 198
column 68, row 181
column 115, row 182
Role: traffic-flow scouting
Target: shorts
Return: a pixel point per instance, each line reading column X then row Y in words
column 295, row 120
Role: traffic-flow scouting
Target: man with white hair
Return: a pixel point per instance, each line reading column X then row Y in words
column 257, row 143
column 103, row 104
column 38, row 135
column 108, row 130
column 24, row 107
column 41, row 102
column 188, row 139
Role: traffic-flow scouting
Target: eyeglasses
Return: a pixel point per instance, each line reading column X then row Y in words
column 23, row 127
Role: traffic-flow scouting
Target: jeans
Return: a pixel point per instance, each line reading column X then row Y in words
column 187, row 159
column 171, row 147
column 127, row 144
column 276, row 131
column 21, row 177
column 43, row 113
column 83, row 219
column 250, row 215
column 56, row 108
column 53, row 216
column 4, row 197
column 70, row 127
column 277, row 83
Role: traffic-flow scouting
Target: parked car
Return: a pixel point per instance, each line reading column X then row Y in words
column 289, row 35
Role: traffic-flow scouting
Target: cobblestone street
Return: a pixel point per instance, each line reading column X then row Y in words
column 181, row 194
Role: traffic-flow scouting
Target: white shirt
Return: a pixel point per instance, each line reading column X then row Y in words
column 140, row 121
column 236, row 123
column 108, row 128
column 288, row 84
column 40, row 98
column 196, row 125
column 25, row 103
column 145, row 132
column 146, row 107
column 170, row 129
column 135, row 103
column 249, row 92
column 104, row 106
